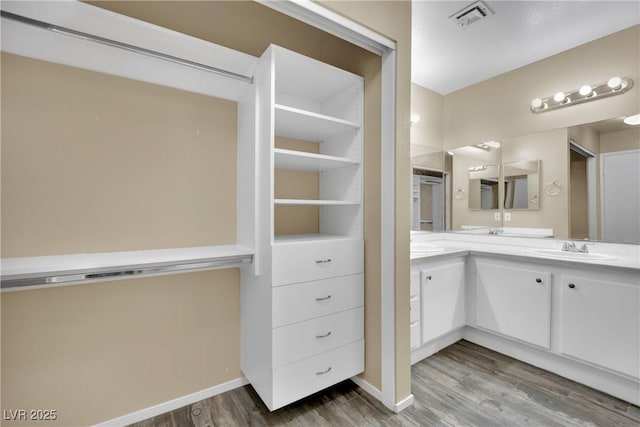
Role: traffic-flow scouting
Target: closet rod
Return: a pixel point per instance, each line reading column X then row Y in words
column 125, row 46
column 124, row 273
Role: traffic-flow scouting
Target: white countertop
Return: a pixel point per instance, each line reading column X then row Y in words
column 626, row 256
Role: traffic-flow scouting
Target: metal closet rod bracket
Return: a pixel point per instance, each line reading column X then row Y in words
column 125, row 46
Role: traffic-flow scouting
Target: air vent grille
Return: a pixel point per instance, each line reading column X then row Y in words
column 471, row 14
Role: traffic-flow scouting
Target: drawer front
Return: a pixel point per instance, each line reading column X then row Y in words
column 415, row 283
column 415, row 334
column 305, row 339
column 302, row 301
column 303, row 262
column 415, row 309
column 300, row 379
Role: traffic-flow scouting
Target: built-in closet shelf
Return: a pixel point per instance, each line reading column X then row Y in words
column 304, row 238
column 308, row 162
column 314, row 202
column 83, row 268
column 295, row 123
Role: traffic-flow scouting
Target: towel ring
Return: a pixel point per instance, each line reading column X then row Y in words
column 552, row 188
column 460, row 194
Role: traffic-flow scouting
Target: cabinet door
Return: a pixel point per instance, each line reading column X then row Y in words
column 442, row 300
column 515, row 302
column 601, row 323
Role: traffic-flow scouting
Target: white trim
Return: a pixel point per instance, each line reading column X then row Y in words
column 367, row 386
column 330, row 22
column 403, row 404
column 171, row 405
column 387, row 231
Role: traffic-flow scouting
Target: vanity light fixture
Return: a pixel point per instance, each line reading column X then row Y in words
column 632, row 120
column 613, row 86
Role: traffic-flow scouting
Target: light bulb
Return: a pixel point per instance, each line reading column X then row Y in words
column 632, row 120
column 559, row 97
column 614, row 83
column 536, row 104
column 586, row 90
column 415, row 118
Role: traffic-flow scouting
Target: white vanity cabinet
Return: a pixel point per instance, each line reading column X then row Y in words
column 514, row 300
column 302, row 308
column 437, row 299
column 600, row 322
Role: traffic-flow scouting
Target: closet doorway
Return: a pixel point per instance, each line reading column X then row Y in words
column 428, row 200
column 582, row 178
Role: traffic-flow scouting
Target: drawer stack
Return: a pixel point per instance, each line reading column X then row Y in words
column 318, row 324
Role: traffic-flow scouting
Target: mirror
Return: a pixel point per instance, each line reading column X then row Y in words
column 484, row 187
column 581, row 182
column 522, row 184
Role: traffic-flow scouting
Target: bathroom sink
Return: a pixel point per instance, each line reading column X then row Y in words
column 425, row 248
column 557, row 253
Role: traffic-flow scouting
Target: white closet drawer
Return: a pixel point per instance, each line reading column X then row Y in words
column 300, row 379
column 303, row 262
column 305, row 339
column 302, row 301
column 415, row 309
column 415, row 334
column 415, row 283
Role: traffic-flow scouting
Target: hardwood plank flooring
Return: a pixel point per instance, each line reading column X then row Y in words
column 462, row 385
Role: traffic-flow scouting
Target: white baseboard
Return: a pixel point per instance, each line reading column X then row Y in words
column 368, row 387
column 377, row 394
column 170, row 405
column 403, row 404
column 434, row 346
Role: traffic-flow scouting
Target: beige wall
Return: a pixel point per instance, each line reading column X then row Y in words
column 393, row 19
column 96, row 352
column 97, row 163
column 499, row 107
column 620, row 141
column 552, row 149
column 76, row 401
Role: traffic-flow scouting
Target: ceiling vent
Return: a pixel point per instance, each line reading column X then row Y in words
column 471, row 14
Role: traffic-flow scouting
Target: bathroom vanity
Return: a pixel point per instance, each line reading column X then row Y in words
column 577, row 317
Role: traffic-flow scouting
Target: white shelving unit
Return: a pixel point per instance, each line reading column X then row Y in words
column 322, row 270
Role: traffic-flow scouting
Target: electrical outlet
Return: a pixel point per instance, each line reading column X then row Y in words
column 507, row 216
column 496, row 216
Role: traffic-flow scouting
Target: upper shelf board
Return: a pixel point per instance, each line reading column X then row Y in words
column 308, row 126
column 308, row 162
column 314, row 202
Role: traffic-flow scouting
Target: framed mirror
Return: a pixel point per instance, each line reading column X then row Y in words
column 522, row 184
column 484, row 187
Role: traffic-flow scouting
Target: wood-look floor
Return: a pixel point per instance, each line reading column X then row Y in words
column 463, row 385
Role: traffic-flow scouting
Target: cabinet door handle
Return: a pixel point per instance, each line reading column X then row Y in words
column 326, row 371
column 427, row 277
column 323, row 298
column 538, row 280
column 323, row 261
column 571, row 285
column 323, row 335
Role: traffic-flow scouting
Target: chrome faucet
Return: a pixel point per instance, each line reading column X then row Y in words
column 495, row 231
column 571, row 247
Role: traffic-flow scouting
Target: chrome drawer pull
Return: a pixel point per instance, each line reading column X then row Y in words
column 323, row 298
column 324, row 372
column 323, row 261
column 323, row 336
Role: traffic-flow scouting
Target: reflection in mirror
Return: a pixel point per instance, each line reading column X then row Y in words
column 522, row 184
column 483, row 187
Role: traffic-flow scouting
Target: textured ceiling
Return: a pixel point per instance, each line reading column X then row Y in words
column 446, row 58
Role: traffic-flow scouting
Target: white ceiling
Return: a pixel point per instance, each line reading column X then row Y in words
column 446, row 58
